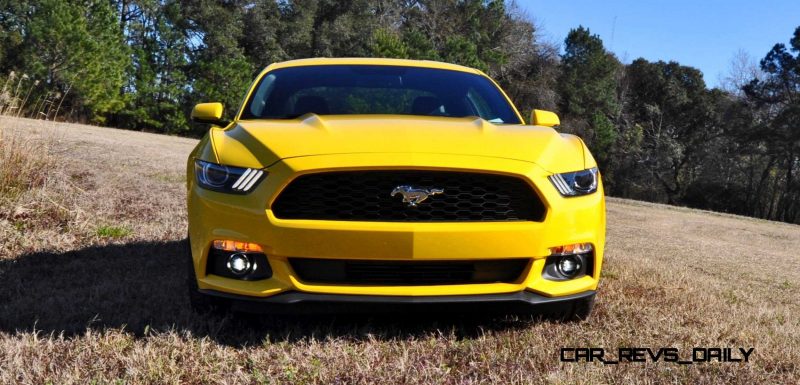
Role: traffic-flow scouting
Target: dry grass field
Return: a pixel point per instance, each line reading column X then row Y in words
column 92, row 230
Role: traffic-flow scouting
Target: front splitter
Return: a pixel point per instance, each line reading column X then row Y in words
column 294, row 302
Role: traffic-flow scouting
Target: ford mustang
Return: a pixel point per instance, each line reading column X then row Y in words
column 388, row 184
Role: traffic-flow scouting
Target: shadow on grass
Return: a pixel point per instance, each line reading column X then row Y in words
column 141, row 286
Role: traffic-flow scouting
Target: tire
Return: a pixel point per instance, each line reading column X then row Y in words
column 200, row 302
column 576, row 310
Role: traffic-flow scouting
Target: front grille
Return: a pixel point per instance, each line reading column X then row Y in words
column 366, row 196
column 407, row 273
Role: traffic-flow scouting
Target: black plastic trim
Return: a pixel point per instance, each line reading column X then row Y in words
column 407, row 273
column 300, row 302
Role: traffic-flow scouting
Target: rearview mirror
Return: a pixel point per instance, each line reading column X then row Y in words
column 210, row 113
column 544, row 118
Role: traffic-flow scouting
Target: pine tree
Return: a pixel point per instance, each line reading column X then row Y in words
column 218, row 68
column 156, row 90
column 389, row 44
column 78, row 52
column 588, row 90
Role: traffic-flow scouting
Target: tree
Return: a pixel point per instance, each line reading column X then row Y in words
column 328, row 28
column 418, row 45
column 588, row 89
column 530, row 68
column 13, row 19
column 677, row 116
column 264, row 28
column 77, row 50
column 218, row 69
column 389, row 44
column 778, row 94
column 460, row 50
column 156, row 87
column 462, row 32
column 743, row 69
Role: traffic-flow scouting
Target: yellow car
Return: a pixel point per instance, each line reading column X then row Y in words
column 387, row 184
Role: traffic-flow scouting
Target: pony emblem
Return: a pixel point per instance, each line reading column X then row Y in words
column 414, row 195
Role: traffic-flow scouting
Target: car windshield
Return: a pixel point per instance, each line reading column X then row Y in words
column 376, row 89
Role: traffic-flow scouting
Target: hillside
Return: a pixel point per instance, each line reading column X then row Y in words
column 92, row 288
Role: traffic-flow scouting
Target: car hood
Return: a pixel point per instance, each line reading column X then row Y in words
column 263, row 142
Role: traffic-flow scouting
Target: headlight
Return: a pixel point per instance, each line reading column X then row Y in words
column 577, row 183
column 227, row 179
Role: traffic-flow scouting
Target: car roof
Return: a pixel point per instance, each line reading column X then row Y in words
column 371, row 61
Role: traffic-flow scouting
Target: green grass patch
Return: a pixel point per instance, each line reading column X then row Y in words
column 170, row 178
column 112, row 232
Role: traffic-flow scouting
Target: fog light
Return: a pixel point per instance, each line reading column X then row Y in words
column 569, row 265
column 239, row 264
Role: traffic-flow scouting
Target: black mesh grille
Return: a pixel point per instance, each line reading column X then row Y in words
column 366, row 196
column 395, row 273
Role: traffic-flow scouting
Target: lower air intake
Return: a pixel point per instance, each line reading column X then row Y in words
column 407, row 273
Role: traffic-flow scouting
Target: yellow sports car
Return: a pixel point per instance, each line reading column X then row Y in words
column 387, row 184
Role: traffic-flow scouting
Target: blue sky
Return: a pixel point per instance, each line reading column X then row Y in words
column 701, row 34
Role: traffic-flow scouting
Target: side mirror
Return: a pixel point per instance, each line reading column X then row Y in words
column 544, row 118
column 210, row 113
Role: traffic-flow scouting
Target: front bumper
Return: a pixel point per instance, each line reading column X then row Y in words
column 294, row 302
column 248, row 218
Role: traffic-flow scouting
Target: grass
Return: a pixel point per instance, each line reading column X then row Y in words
column 24, row 165
column 112, row 232
column 79, row 307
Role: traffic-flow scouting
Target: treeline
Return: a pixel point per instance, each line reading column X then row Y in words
column 143, row 64
column 659, row 133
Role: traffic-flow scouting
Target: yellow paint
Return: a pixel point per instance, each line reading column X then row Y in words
column 207, row 112
column 544, row 118
column 289, row 148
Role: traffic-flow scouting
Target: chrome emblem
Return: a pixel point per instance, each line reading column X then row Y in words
column 414, row 195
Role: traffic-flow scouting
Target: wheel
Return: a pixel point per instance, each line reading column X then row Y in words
column 576, row 310
column 200, row 302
